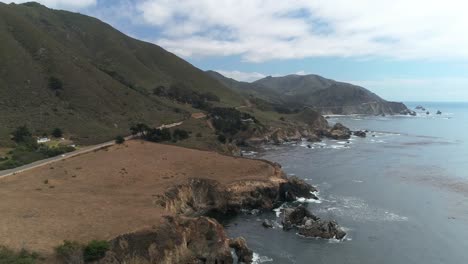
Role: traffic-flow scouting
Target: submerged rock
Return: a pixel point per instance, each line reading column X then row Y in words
column 267, row 223
column 361, row 134
column 310, row 225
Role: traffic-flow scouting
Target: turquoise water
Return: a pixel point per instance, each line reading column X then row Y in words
column 402, row 194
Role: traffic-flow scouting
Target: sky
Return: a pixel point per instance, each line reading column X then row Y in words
column 403, row 50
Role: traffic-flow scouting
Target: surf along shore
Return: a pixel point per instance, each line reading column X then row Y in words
column 148, row 200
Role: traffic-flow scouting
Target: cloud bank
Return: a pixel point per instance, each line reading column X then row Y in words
column 262, row 30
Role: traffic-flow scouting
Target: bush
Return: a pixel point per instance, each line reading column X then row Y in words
column 8, row 256
column 95, row 250
column 119, row 140
column 180, row 134
column 158, row 135
column 222, row 138
column 57, row 133
column 70, row 252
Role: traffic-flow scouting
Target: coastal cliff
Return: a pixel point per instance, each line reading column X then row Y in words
column 189, row 237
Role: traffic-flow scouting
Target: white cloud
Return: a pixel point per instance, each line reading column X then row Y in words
column 242, row 76
column 261, row 30
column 66, row 4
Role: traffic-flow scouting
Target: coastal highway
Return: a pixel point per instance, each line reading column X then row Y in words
column 84, row 150
column 81, row 151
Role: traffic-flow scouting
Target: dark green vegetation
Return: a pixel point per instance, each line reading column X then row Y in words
column 74, row 252
column 229, row 121
column 293, row 92
column 182, row 94
column 67, row 70
column 119, row 140
column 158, row 134
column 8, row 256
column 27, row 150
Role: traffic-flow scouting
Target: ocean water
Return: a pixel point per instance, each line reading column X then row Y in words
column 401, row 195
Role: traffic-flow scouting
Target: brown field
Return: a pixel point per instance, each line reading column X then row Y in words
column 105, row 193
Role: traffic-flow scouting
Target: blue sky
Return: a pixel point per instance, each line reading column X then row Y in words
column 402, row 50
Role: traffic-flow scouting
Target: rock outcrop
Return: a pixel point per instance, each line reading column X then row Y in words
column 309, row 225
column 176, row 240
column 244, row 254
column 338, row 131
column 360, row 133
column 297, row 188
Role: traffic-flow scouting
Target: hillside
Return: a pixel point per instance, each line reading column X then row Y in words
column 324, row 95
column 67, row 70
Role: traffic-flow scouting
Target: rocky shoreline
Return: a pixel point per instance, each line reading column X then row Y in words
column 189, row 236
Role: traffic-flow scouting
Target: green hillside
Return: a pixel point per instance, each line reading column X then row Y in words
column 67, row 70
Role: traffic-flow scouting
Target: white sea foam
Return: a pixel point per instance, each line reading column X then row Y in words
column 260, row 259
column 305, row 200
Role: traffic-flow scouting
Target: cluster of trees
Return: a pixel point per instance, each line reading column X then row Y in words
column 229, row 121
column 276, row 107
column 183, row 94
column 157, row 134
column 27, row 149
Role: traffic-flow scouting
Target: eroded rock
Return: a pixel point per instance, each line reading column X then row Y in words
column 310, row 225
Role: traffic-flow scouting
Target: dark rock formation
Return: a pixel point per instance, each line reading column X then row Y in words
column 427, row 113
column 322, row 229
column 297, row 188
column 360, row 133
column 309, row 225
column 439, row 112
column 339, row 131
column 420, row 107
column 176, row 240
column 267, row 223
column 293, row 217
column 244, row 254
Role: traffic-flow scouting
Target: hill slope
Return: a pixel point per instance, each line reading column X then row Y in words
column 324, row 95
column 102, row 80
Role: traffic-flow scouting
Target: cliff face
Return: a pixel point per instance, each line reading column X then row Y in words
column 187, row 237
column 175, row 240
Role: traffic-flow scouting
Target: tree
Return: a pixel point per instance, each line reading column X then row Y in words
column 119, row 140
column 139, row 129
column 21, row 134
column 57, row 133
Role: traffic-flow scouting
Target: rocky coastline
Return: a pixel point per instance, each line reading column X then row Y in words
column 187, row 235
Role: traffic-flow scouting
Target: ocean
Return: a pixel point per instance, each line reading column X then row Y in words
column 401, row 193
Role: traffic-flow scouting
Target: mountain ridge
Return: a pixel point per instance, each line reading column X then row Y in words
column 319, row 93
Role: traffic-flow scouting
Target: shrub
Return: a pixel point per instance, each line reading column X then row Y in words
column 180, row 134
column 95, row 250
column 8, row 256
column 119, row 140
column 222, row 138
column 158, row 135
column 199, row 135
column 70, row 252
column 57, row 133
